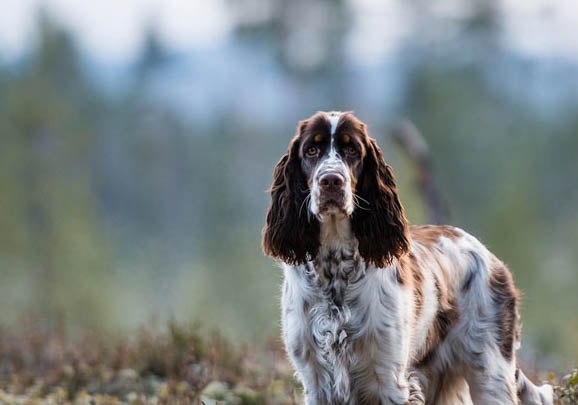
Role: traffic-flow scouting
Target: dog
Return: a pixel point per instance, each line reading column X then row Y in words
column 375, row 311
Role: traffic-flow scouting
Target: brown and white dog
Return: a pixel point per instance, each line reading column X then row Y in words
column 375, row 311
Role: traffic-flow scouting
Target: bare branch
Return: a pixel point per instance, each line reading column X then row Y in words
column 409, row 138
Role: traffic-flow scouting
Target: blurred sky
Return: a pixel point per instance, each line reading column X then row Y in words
column 112, row 30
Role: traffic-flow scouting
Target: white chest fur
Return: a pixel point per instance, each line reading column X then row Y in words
column 334, row 326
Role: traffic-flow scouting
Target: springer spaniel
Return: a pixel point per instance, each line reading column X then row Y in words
column 375, row 311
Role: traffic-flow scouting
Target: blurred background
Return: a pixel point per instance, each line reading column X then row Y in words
column 137, row 139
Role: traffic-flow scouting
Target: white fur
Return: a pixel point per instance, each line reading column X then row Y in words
column 334, row 118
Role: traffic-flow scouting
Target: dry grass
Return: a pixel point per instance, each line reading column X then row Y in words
column 175, row 366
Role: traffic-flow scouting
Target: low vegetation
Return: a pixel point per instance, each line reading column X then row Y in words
column 179, row 365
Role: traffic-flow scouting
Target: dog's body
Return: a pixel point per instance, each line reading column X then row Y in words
column 376, row 312
column 353, row 330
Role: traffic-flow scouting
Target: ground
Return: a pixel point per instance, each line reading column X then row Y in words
column 175, row 365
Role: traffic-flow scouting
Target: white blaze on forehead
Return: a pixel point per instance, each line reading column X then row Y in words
column 333, row 120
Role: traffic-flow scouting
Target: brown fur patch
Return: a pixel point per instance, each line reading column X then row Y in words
column 506, row 299
column 428, row 235
column 288, row 235
column 446, row 317
column 447, row 314
column 381, row 229
column 411, row 270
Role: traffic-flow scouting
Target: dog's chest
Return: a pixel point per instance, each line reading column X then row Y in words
column 325, row 313
column 333, row 271
column 336, row 279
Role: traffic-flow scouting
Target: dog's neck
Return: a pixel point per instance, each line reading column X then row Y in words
column 338, row 258
column 336, row 232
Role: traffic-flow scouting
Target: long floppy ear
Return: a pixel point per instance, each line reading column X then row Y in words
column 381, row 229
column 290, row 234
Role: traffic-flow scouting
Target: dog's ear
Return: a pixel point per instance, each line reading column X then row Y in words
column 290, row 234
column 381, row 229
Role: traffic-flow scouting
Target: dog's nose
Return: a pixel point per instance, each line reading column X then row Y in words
column 331, row 182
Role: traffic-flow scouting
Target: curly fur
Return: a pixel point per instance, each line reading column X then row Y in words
column 381, row 229
column 290, row 233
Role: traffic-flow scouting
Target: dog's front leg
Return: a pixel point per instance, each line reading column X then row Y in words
column 312, row 368
column 316, row 384
column 395, row 389
column 384, row 345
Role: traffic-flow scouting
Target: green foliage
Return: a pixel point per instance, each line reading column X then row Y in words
column 566, row 390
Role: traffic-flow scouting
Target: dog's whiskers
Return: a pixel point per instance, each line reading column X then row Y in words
column 307, row 198
column 356, row 199
column 361, row 198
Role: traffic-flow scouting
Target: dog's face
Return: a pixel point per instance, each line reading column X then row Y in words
column 331, row 153
column 333, row 167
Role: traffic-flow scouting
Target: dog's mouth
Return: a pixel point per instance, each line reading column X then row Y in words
column 332, row 204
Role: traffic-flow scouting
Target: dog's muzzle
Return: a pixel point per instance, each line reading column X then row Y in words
column 331, row 191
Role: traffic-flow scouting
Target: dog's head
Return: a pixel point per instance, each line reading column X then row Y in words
column 333, row 168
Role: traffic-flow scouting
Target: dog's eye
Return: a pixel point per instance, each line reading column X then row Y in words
column 351, row 151
column 312, row 151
